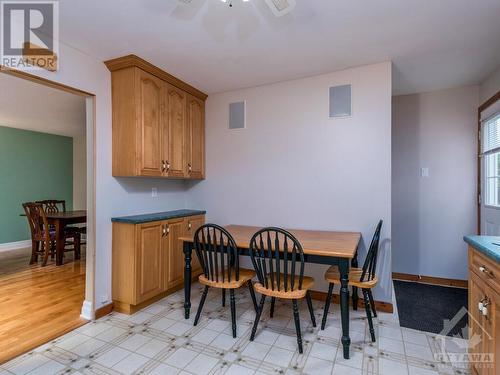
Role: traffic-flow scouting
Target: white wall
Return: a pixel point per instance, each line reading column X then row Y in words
column 79, row 173
column 113, row 196
column 437, row 130
column 490, row 86
column 294, row 167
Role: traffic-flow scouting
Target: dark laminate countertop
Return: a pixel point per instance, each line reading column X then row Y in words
column 157, row 216
column 488, row 245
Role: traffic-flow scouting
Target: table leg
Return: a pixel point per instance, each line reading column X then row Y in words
column 354, row 264
column 187, row 248
column 344, row 304
column 59, row 227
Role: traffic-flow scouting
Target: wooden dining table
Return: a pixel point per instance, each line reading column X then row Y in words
column 320, row 247
column 60, row 220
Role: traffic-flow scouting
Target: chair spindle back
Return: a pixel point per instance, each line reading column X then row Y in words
column 52, row 206
column 271, row 248
column 370, row 264
column 217, row 253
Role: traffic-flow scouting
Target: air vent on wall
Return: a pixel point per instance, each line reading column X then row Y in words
column 340, row 101
column 237, row 115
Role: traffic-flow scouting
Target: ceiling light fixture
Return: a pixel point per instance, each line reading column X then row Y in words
column 231, row 2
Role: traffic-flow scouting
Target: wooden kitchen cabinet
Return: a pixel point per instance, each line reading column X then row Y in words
column 158, row 122
column 484, row 325
column 148, row 260
column 195, row 139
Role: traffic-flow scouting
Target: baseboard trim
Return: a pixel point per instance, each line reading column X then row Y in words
column 104, row 310
column 379, row 305
column 8, row 246
column 87, row 310
column 430, row 280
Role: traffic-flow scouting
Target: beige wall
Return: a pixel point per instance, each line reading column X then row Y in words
column 79, row 173
column 430, row 215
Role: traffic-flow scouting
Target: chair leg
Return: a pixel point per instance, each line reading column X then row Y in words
column 368, row 313
column 327, row 305
column 297, row 324
column 223, row 297
column 252, row 294
column 273, row 302
column 200, row 307
column 372, row 303
column 257, row 317
column 77, row 245
column 46, row 254
column 233, row 311
column 310, row 306
column 34, row 249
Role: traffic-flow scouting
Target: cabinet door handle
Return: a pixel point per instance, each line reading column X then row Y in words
column 167, row 229
column 167, row 168
column 163, row 230
column 486, row 271
column 190, row 168
column 189, row 225
column 163, row 166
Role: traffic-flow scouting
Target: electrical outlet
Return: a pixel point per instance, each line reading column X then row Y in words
column 154, row 192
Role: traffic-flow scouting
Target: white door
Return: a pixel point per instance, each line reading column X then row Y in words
column 490, row 174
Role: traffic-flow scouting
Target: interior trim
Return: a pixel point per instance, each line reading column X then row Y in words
column 379, row 305
column 430, row 280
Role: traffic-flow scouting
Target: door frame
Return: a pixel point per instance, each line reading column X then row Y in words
column 480, row 109
column 88, row 308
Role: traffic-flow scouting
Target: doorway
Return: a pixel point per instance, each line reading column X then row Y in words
column 54, row 138
column 489, row 167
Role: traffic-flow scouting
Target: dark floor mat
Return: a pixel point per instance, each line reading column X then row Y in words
column 425, row 307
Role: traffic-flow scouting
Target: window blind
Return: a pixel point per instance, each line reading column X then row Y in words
column 491, row 134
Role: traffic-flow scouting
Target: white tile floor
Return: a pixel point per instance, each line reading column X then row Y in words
column 158, row 340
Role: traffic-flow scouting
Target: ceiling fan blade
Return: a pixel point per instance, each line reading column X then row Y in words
column 281, row 7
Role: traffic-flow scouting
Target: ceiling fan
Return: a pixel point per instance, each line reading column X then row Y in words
column 278, row 7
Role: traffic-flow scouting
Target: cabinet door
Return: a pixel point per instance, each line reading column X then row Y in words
column 483, row 329
column 150, row 123
column 175, row 153
column 191, row 224
column 195, row 145
column 175, row 274
column 149, row 261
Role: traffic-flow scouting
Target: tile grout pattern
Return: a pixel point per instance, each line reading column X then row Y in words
column 158, row 340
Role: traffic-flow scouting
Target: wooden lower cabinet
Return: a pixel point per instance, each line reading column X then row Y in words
column 484, row 326
column 148, row 261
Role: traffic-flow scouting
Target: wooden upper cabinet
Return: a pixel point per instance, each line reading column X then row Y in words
column 150, row 117
column 195, row 140
column 175, row 153
column 158, row 122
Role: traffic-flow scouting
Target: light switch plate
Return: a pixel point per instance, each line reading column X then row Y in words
column 424, row 172
column 154, row 192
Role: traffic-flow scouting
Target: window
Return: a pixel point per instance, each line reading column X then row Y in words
column 491, row 156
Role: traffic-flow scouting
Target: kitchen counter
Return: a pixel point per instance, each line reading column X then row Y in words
column 487, row 245
column 157, row 216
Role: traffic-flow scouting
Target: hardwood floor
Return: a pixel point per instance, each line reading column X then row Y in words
column 38, row 304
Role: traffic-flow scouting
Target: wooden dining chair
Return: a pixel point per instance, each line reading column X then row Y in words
column 278, row 259
column 218, row 256
column 52, row 206
column 363, row 278
column 42, row 236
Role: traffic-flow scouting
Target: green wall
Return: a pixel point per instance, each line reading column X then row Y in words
column 33, row 166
